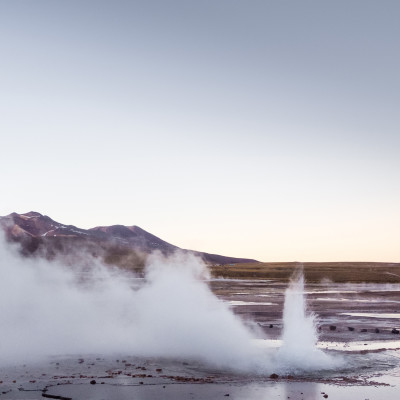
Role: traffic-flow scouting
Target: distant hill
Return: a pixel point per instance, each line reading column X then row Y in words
column 125, row 246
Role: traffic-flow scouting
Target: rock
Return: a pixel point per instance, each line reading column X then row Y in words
column 364, row 330
column 332, row 327
column 395, row 331
column 92, row 382
column 274, row 376
column 271, row 326
column 325, row 396
column 351, row 329
column 377, row 330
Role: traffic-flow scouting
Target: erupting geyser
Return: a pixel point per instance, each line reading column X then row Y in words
column 50, row 309
column 299, row 337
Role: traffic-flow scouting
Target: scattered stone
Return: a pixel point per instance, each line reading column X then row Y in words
column 350, row 328
column 364, row 330
column 159, row 370
column 377, row 330
column 274, row 376
column 226, row 395
column 395, row 331
column 332, row 327
column 92, row 382
column 325, row 396
column 271, row 325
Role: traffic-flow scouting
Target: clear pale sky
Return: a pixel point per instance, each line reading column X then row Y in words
column 262, row 129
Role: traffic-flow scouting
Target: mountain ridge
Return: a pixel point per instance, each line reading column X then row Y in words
column 38, row 234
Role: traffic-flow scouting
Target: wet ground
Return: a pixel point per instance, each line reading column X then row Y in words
column 356, row 322
column 345, row 312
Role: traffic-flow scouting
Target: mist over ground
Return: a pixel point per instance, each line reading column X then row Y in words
column 49, row 309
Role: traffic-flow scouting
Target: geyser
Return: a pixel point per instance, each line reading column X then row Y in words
column 299, row 337
column 49, row 309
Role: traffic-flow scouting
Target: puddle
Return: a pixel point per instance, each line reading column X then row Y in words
column 356, row 300
column 338, row 346
column 329, row 291
column 373, row 315
column 250, row 303
column 361, row 345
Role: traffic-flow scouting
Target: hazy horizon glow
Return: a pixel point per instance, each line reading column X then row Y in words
column 267, row 130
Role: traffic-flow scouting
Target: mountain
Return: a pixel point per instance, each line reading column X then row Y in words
column 125, row 246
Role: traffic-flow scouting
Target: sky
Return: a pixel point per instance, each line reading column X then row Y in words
column 260, row 129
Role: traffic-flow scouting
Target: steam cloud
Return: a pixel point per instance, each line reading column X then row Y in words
column 49, row 309
column 300, row 337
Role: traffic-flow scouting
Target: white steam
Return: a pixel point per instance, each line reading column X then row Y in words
column 49, row 309
column 300, row 336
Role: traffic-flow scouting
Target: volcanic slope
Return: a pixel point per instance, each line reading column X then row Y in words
column 124, row 246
